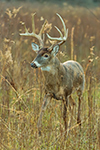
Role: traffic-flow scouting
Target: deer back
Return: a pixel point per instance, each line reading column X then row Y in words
column 75, row 77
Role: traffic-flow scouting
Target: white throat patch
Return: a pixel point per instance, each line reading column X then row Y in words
column 47, row 68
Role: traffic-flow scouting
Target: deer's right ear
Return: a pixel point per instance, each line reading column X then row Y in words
column 35, row 47
column 55, row 50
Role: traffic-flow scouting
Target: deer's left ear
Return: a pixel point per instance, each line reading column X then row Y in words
column 55, row 50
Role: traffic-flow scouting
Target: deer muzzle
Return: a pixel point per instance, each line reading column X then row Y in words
column 33, row 65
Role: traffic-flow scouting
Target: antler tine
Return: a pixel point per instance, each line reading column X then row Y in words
column 65, row 30
column 38, row 36
column 42, row 29
column 33, row 24
column 59, row 31
column 62, row 38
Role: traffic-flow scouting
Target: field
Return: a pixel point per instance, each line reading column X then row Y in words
column 22, row 88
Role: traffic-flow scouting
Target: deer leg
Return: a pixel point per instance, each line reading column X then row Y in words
column 65, row 112
column 71, row 110
column 79, row 106
column 46, row 101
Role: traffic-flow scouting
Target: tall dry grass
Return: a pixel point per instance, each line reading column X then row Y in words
column 22, row 88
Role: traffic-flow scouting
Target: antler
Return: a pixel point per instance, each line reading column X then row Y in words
column 62, row 38
column 39, row 36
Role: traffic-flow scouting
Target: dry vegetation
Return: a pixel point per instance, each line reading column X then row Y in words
column 21, row 87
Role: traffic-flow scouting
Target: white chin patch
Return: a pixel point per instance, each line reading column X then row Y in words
column 37, row 64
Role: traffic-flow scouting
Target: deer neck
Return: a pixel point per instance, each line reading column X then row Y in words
column 52, row 68
column 53, row 76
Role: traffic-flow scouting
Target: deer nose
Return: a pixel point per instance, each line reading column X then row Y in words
column 33, row 65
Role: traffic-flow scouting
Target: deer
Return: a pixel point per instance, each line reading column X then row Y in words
column 61, row 79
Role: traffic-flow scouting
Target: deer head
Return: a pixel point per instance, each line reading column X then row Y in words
column 45, row 55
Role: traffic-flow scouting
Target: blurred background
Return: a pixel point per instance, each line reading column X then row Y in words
column 22, row 88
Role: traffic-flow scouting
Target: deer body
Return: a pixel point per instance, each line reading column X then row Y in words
column 61, row 79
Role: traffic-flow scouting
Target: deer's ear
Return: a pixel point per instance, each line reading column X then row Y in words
column 35, row 47
column 55, row 50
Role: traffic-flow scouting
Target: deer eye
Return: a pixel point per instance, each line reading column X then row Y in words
column 46, row 55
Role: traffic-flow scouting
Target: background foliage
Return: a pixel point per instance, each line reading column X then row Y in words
column 22, row 88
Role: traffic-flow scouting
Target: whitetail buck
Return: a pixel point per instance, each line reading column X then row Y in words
column 61, row 79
